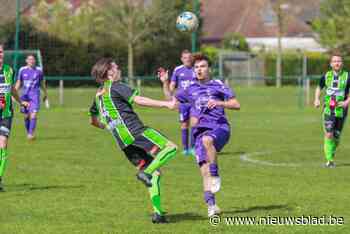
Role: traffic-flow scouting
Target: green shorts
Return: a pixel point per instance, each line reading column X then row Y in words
column 146, row 146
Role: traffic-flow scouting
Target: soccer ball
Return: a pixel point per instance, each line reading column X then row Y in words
column 187, row 22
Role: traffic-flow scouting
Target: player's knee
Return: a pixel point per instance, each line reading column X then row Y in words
column 207, row 141
column 329, row 135
column 3, row 142
column 32, row 115
column 172, row 146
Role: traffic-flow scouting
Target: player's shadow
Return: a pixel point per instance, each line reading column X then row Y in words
column 257, row 208
column 188, row 216
column 34, row 187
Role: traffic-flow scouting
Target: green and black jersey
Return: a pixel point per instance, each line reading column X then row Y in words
column 6, row 83
column 114, row 108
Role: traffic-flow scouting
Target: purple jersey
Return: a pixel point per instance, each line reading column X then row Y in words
column 198, row 95
column 30, row 79
column 183, row 77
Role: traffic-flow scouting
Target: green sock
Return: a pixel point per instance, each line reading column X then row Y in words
column 161, row 158
column 329, row 148
column 154, row 193
column 3, row 161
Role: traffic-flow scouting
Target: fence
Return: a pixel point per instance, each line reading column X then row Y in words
column 303, row 84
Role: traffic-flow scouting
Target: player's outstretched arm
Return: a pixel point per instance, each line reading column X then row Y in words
column 232, row 104
column 149, row 102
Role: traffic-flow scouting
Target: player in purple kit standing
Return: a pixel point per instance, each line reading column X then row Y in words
column 208, row 98
column 181, row 79
column 30, row 78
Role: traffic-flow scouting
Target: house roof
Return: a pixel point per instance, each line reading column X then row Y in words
column 251, row 18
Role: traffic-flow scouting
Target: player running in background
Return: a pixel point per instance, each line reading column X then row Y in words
column 6, row 112
column 335, row 108
column 208, row 98
column 31, row 78
column 181, row 79
column 144, row 147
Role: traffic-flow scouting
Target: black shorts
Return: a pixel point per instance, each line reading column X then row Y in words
column 145, row 146
column 333, row 124
column 5, row 126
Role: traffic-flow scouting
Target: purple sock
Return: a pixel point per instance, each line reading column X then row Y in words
column 26, row 123
column 184, row 134
column 32, row 126
column 214, row 170
column 192, row 140
column 209, row 198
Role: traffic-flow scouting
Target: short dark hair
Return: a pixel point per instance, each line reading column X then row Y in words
column 199, row 57
column 30, row 55
column 99, row 70
column 185, row 52
column 335, row 53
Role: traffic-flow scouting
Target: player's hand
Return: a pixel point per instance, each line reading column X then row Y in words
column 344, row 104
column 173, row 104
column 163, row 74
column 212, row 104
column 317, row 103
column 24, row 104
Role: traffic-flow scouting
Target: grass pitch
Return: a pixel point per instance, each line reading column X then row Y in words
column 74, row 179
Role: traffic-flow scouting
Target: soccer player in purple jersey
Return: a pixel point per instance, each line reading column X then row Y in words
column 30, row 78
column 208, row 98
column 180, row 80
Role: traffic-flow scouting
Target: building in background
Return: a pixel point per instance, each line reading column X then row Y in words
column 257, row 21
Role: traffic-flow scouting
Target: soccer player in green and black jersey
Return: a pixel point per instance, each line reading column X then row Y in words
column 7, row 91
column 143, row 146
column 336, row 102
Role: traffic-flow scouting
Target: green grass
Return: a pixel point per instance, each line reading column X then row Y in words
column 74, row 179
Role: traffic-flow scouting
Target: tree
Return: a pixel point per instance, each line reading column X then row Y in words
column 235, row 41
column 134, row 21
column 333, row 23
column 62, row 21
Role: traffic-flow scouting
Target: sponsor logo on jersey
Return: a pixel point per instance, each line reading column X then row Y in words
column 5, row 88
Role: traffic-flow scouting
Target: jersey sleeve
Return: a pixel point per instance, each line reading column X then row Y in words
column 322, row 82
column 41, row 74
column 174, row 77
column 125, row 92
column 93, row 111
column 226, row 92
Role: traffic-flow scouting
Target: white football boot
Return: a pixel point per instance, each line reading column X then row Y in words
column 213, row 210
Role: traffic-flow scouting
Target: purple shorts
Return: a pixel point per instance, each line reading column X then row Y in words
column 220, row 135
column 184, row 111
column 34, row 103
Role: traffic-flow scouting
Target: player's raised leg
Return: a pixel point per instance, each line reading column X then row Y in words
column 159, row 147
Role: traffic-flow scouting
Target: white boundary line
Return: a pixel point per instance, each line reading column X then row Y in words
column 247, row 158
